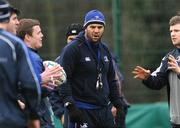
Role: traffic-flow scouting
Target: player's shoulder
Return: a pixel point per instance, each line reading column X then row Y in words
column 11, row 38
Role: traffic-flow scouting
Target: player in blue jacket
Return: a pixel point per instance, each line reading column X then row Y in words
column 91, row 82
column 167, row 74
column 30, row 31
column 16, row 71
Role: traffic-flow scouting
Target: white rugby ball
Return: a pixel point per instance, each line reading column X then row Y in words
column 51, row 64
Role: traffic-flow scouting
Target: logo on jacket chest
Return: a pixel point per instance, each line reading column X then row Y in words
column 88, row 59
column 106, row 59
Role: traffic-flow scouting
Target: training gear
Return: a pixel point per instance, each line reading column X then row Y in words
column 161, row 77
column 82, row 62
column 16, row 71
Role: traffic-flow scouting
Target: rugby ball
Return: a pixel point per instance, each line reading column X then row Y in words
column 51, row 64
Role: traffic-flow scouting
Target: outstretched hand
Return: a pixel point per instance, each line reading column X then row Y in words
column 141, row 73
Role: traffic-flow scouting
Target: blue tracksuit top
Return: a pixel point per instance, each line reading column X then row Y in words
column 80, row 61
column 37, row 62
column 43, row 110
column 16, row 71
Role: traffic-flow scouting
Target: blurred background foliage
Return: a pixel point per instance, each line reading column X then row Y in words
column 144, row 33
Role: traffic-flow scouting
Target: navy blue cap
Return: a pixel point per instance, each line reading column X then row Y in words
column 94, row 16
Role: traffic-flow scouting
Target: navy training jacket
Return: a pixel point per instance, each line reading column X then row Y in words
column 16, row 71
column 80, row 64
column 44, row 113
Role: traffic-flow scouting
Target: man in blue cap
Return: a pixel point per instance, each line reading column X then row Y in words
column 91, row 82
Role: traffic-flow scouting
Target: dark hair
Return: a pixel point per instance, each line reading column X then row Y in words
column 175, row 20
column 26, row 27
column 74, row 29
column 14, row 10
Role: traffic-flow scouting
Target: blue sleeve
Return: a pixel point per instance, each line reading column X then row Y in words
column 28, row 80
column 39, row 68
column 37, row 64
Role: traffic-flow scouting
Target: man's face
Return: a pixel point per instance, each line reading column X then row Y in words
column 175, row 34
column 70, row 38
column 35, row 41
column 94, row 32
column 13, row 23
